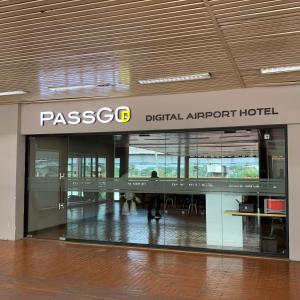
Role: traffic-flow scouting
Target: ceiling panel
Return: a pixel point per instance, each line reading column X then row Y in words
column 52, row 43
column 261, row 34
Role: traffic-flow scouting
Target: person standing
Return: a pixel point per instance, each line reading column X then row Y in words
column 154, row 201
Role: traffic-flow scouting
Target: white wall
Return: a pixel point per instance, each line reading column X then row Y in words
column 294, row 190
column 12, row 165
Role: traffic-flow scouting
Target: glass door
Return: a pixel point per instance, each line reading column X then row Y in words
column 46, row 188
column 90, row 206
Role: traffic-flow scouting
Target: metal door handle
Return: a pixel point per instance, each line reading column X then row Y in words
column 61, row 203
column 61, row 175
column 61, row 206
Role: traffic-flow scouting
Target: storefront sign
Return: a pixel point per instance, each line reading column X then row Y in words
column 104, row 115
column 232, row 108
column 218, row 114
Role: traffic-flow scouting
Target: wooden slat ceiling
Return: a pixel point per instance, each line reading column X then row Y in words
column 51, row 43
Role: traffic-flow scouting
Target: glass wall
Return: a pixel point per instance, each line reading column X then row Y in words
column 223, row 190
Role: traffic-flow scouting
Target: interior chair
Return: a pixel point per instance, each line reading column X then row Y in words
column 169, row 200
column 276, row 224
column 192, row 206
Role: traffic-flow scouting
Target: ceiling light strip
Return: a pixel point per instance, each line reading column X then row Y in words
column 71, row 87
column 277, row 70
column 199, row 76
column 79, row 87
column 11, row 93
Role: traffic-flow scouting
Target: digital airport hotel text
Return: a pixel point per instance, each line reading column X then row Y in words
column 217, row 114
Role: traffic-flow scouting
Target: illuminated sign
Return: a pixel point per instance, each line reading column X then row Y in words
column 121, row 114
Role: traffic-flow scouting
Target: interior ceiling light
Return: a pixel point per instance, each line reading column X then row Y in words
column 277, row 70
column 199, row 76
column 11, row 93
column 78, row 87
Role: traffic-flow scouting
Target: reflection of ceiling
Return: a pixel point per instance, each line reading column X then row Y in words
column 201, row 144
column 49, row 43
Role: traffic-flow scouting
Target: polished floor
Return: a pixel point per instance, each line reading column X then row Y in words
column 39, row 269
column 176, row 228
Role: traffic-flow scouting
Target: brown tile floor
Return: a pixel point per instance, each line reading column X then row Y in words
column 39, row 269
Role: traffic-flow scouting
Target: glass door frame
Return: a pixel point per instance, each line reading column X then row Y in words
column 284, row 126
column 62, row 174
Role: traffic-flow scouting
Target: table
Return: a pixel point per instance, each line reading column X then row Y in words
column 237, row 213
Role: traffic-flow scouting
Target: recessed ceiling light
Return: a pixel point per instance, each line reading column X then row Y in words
column 71, row 87
column 11, row 93
column 78, row 87
column 199, row 76
column 276, row 70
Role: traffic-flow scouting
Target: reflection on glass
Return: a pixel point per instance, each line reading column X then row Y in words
column 221, row 189
column 46, row 163
column 142, row 162
column 225, row 167
column 46, row 197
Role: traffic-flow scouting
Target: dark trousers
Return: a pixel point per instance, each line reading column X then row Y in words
column 154, row 202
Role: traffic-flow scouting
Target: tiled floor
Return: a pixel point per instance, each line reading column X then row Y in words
column 105, row 223
column 39, row 269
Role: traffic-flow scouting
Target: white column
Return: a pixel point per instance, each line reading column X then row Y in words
column 294, row 190
column 12, row 166
column 223, row 229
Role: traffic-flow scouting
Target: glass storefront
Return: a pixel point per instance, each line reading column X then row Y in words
column 214, row 189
